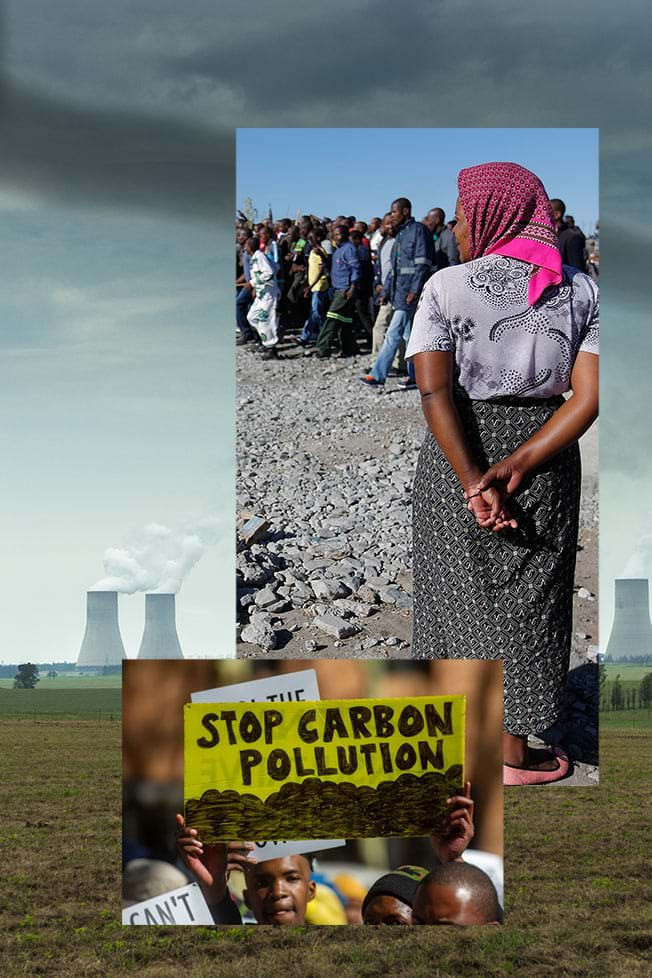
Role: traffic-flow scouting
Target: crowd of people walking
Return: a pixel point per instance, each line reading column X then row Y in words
column 342, row 286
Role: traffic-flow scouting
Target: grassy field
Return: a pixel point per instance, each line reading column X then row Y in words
column 52, row 700
column 67, row 680
column 575, row 873
column 626, row 720
column 627, row 673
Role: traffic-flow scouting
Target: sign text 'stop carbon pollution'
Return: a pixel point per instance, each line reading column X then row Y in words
column 347, row 768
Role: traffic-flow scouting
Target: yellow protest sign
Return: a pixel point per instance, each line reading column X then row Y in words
column 333, row 768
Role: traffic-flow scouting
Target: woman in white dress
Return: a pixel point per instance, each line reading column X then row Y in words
column 263, row 314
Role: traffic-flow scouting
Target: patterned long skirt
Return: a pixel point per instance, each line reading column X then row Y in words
column 506, row 595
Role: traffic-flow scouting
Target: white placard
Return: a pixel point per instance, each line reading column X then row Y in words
column 186, row 905
column 290, row 686
column 294, row 847
column 296, row 686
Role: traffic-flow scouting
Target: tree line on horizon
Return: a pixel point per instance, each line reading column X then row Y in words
column 616, row 695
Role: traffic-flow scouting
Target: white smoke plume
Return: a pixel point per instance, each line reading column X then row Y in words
column 640, row 562
column 157, row 558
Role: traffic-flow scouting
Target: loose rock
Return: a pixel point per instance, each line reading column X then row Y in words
column 259, row 632
column 336, row 627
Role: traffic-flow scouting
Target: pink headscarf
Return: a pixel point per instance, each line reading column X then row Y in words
column 508, row 213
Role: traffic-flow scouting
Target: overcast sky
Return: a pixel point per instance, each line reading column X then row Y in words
column 117, row 366
column 116, row 167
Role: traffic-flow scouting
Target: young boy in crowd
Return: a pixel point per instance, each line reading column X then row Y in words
column 277, row 891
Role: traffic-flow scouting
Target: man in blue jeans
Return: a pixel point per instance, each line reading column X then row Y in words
column 412, row 261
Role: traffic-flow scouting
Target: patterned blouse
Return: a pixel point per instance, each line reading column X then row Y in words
column 503, row 347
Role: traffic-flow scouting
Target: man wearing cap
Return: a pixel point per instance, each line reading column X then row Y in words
column 391, row 898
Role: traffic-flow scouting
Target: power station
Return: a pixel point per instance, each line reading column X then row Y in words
column 102, row 642
column 631, row 632
column 160, row 639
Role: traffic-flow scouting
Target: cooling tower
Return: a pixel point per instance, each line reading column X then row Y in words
column 160, row 639
column 631, row 632
column 102, row 642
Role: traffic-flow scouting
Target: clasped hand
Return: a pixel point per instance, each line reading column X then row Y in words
column 487, row 497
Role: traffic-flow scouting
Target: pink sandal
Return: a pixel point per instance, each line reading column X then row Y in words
column 524, row 775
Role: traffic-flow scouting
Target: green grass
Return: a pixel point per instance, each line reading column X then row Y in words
column 627, row 673
column 626, row 720
column 30, row 703
column 575, row 871
column 68, row 680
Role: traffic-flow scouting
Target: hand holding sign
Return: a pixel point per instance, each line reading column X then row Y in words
column 211, row 864
column 459, row 828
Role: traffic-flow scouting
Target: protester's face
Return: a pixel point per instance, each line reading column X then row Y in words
column 451, row 904
column 438, row 216
column 398, row 214
column 278, row 890
column 375, row 224
column 462, row 232
column 387, row 910
column 265, row 236
column 241, row 236
column 340, row 235
column 304, row 229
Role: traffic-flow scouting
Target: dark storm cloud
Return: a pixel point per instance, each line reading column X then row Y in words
column 320, row 55
column 375, row 63
column 423, row 63
column 74, row 155
column 430, row 62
